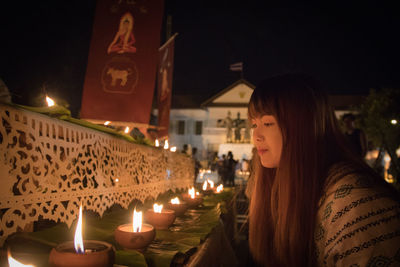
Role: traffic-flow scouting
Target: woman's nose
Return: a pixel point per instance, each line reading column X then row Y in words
column 257, row 136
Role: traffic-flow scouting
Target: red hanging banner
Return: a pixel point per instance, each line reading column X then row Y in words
column 164, row 85
column 122, row 64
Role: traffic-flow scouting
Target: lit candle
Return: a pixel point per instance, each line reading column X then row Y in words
column 175, row 201
column 50, row 102
column 220, row 188
column 135, row 236
column 137, row 221
column 192, row 198
column 192, row 193
column 178, row 206
column 160, row 218
column 82, row 253
column 78, row 241
column 166, row 146
column 157, row 143
column 157, row 208
column 205, row 186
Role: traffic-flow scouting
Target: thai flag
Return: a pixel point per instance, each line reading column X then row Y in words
column 236, row 66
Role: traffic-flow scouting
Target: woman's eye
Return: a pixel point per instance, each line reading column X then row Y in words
column 268, row 124
column 253, row 125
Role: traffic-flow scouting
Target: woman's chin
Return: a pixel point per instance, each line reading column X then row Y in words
column 268, row 164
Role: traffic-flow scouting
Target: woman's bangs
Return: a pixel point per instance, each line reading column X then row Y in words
column 258, row 107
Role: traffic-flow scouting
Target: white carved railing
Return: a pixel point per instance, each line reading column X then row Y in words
column 48, row 167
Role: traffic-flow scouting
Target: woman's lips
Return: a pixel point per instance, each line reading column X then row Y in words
column 261, row 151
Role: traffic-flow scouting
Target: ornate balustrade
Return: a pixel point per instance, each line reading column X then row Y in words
column 48, row 167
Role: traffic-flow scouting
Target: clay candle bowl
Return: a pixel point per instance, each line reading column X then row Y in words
column 97, row 254
column 82, row 253
column 193, row 199
column 135, row 236
column 160, row 218
column 178, row 206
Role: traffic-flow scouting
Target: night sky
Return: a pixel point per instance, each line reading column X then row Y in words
column 351, row 47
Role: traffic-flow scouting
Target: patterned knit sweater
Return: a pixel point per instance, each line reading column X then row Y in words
column 358, row 222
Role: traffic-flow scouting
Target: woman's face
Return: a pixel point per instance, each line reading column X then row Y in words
column 267, row 138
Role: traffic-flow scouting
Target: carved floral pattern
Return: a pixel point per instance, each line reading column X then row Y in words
column 49, row 166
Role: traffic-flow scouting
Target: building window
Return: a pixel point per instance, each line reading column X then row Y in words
column 181, row 127
column 198, row 128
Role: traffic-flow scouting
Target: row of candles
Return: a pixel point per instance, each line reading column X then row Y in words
column 133, row 236
column 51, row 103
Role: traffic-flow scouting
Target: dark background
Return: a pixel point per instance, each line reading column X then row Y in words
column 350, row 46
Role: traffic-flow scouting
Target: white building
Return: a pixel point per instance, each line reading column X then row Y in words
column 201, row 124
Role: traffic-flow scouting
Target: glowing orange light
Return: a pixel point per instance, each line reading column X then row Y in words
column 137, row 221
column 175, row 201
column 192, row 192
column 211, row 183
column 50, row 102
column 166, row 145
column 78, row 241
column 205, row 185
column 157, row 208
column 220, row 188
column 14, row 263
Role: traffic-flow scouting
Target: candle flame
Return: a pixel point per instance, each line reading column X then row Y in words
column 78, row 241
column 197, row 193
column 126, row 129
column 166, row 146
column 50, row 102
column 220, row 188
column 107, row 123
column 173, row 149
column 175, row 201
column 157, row 143
column 191, row 192
column 211, row 183
column 205, row 185
column 137, row 221
column 14, row 263
column 157, row 208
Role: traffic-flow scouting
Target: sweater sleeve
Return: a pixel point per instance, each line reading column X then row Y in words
column 358, row 224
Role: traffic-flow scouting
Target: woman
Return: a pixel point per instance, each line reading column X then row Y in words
column 313, row 202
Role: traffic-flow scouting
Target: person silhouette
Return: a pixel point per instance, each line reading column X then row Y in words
column 355, row 136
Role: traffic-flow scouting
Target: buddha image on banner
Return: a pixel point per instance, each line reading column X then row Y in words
column 122, row 64
column 124, row 39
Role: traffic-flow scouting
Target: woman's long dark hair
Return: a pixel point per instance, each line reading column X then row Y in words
column 284, row 201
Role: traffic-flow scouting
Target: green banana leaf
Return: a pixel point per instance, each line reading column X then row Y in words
column 187, row 232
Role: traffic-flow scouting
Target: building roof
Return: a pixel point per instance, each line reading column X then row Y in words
column 235, row 95
column 225, row 98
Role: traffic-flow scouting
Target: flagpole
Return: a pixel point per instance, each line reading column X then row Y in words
column 168, row 41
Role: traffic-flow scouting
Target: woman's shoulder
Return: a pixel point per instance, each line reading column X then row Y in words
column 345, row 176
column 358, row 218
